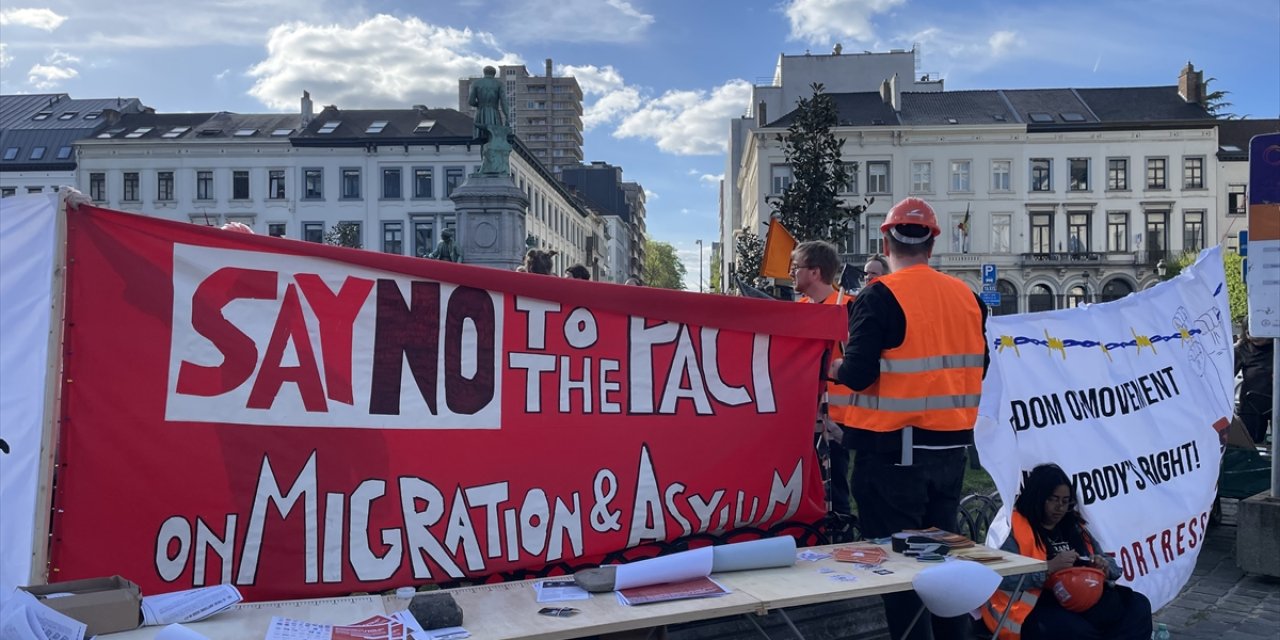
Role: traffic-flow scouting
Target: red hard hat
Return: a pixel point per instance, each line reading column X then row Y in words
column 1077, row 588
column 912, row 211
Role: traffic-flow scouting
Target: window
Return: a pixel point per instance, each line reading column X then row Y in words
column 8, row 191
column 391, row 183
column 878, row 177
column 93, row 115
column 850, row 185
column 11, row 153
column 276, row 229
column 1235, row 200
column 175, row 132
column 1156, row 170
column 1117, row 232
column 393, row 237
column 239, row 185
column 452, row 179
column 69, row 115
column 1042, row 233
column 164, row 186
column 423, row 238
column 1079, row 174
column 275, row 184
column 1041, row 174
column 921, row 177
column 376, row 126
column 245, row 132
column 874, row 238
column 313, row 184
column 424, row 182
column 329, row 127
column 1157, row 239
column 960, row 175
column 204, row 185
column 350, row 184
column 1192, row 230
column 1001, row 227
column 43, row 115
column 98, row 187
column 1193, row 173
column 1001, row 175
column 1077, row 233
column 1040, row 298
column 1117, row 174
column 130, row 186
column 37, row 153
column 64, row 153
column 424, row 126
column 280, row 133
column 313, row 232
column 139, row 132
column 35, row 189
column 781, row 178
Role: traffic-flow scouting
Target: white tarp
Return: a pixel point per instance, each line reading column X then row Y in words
column 27, row 230
column 1125, row 397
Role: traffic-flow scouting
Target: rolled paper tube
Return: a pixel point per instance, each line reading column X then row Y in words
column 765, row 553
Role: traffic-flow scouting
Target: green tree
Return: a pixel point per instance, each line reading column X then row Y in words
column 662, row 268
column 750, row 252
column 343, row 234
column 810, row 207
column 1232, row 264
column 714, row 281
column 1215, row 102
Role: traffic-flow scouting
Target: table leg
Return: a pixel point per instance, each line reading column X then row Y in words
column 787, row 619
column 751, row 617
column 1017, row 593
column 914, row 620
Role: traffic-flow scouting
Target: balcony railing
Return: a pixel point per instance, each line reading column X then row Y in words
column 1046, row 259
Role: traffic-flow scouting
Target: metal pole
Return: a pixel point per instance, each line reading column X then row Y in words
column 1275, row 410
column 699, row 266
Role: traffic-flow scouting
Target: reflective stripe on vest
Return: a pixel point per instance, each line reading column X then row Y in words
column 933, row 380
column 1028, row 545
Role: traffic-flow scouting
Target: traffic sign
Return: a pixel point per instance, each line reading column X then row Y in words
column 1263, row 275
column 988, row 274
column 991, row 298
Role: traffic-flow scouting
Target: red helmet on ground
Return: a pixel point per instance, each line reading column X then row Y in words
column 912, row 211
column 1077, row 588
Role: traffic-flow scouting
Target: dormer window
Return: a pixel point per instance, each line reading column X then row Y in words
column 11, row 153
column 43, row 115
column 111, row 132
column 245, row 132
column 329, row 127
column 1041, row 117
column 139, row 132
column 37, row 153
column 376, row 126
column 209, row 133
column 175, row 132
column 70, row 115
column 93, row 115
column 64, row 153
column 424, row 126
column 281, row 132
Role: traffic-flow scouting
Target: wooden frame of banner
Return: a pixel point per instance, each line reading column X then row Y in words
column 52, row 402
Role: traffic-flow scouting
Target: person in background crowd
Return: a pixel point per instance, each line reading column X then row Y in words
column 876, row 267
column 578, row 271
column 813, row 269
column 1255, row 360
column 1046, row 526
column 912, row 410
column 634, row 281
column 538, row 261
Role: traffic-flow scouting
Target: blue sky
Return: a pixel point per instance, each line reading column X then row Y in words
column 661, row 76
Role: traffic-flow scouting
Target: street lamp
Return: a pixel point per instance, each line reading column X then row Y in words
column 1160, row 268
column 699, row 241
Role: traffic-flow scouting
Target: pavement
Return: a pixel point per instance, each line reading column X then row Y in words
column 1220, row 601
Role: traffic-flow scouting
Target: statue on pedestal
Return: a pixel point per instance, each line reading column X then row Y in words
column 492, row 122
column 447, row 250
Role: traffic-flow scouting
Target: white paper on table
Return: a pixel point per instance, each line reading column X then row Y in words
column 289, row 629
column 405, row 618
column 179, row 632
column 443, row 633
column 754, row 554
column 26, row 618
column 188, row 606
column 677, row 567
column 560, row 590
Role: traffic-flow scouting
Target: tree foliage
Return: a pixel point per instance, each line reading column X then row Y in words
column 810, row 207
column 1232, row 263
column 343, row 234
column 1215, row 102
column 750, row 252
column 662, row 267
column 714, row 279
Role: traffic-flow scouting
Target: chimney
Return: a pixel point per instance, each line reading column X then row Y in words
column 886, row 92
column 895, row 93
column 1191, row 84
column 548, row 67
column 307, row 110
column 762, row 115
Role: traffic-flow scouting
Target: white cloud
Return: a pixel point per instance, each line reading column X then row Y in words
column 711, row 179
column 650, row 195
column 1002, row 42
column 5, row 58
column 688, row 122
column 43, row 19
column 826, row 21
column 613, row 99
column 45, row 76
column 221, row 75
column 969, row 50
column 381, row 61
column 573, row 21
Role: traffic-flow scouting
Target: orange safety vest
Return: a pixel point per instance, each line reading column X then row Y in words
column 840, row 409
column 933, row 380
column 1028, row 545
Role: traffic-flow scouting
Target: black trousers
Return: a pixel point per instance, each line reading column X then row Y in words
column 891, row 498
column 1121, row 614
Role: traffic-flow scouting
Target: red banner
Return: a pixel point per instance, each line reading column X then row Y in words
column 303, row 420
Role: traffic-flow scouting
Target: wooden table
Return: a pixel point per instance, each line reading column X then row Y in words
column 510, row 610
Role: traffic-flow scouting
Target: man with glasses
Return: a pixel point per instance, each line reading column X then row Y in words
column 813, row 270
column 875, row 268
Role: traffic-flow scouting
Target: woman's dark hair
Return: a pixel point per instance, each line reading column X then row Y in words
column 1036, row 489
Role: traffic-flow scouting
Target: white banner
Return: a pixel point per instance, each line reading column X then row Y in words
column 1125, row 397
column 27, row 229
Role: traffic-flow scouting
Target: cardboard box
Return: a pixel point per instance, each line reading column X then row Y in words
column 105, row 605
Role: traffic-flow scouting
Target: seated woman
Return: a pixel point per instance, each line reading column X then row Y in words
column 1047, row 526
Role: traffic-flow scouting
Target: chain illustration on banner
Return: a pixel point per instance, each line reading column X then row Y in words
column 1062, row 344
column 1055, row 344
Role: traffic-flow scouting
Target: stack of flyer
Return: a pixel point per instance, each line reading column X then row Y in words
column 399, row 626
column 703, row 587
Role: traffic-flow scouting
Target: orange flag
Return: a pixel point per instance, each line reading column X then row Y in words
column 778, row 245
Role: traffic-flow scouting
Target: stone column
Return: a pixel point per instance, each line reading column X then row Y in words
column 491, row 230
